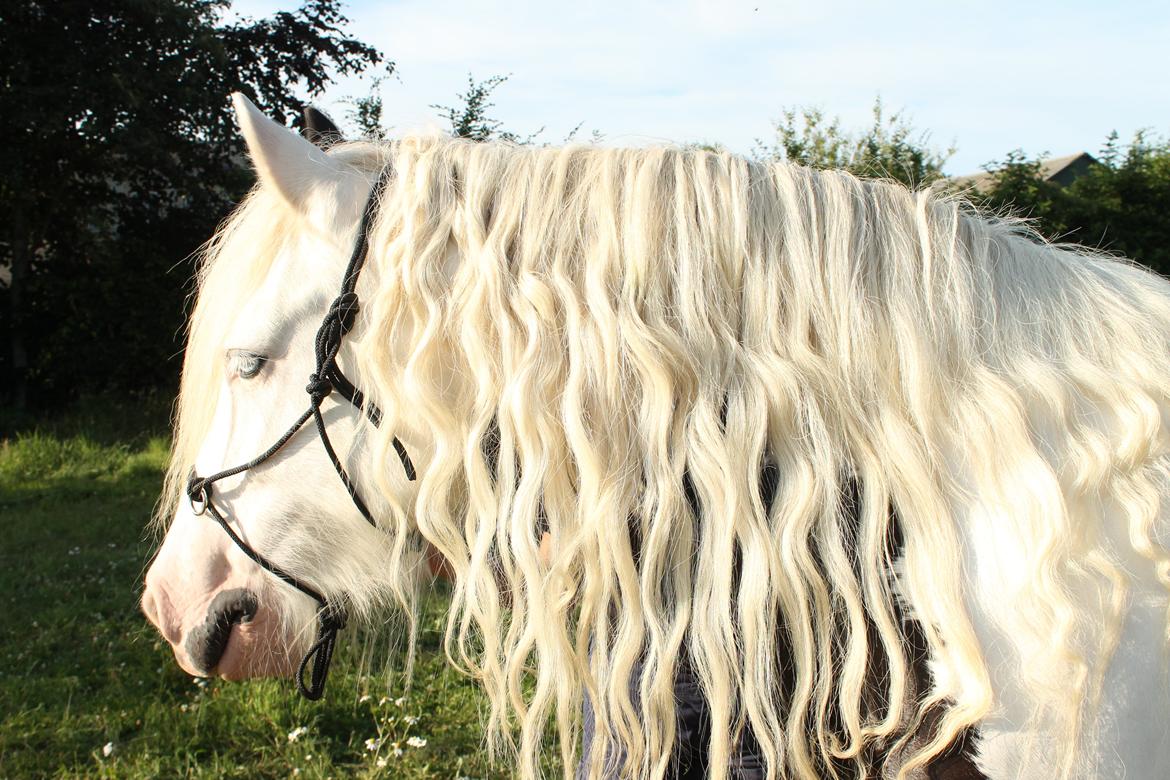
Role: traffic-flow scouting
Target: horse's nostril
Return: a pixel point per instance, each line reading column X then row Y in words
column 206, row 643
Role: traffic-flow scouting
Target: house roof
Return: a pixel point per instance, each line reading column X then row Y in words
column 1050, row 169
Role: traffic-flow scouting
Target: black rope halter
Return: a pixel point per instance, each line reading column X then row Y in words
column 325, row 379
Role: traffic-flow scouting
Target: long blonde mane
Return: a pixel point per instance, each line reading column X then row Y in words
column 615, row 325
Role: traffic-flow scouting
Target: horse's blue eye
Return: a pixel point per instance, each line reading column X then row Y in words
column 248, row 364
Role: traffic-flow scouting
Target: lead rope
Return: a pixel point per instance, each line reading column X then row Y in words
column 326, row 378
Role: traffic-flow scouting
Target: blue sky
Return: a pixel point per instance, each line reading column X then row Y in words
column 987, row 77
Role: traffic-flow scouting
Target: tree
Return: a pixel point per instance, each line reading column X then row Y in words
column 470, row 119
column 120, row 156
column 366, row 112
column 1118, row 205
column 891, row 148
column 1019, row 185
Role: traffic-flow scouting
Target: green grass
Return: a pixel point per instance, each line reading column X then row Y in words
column 80, row 667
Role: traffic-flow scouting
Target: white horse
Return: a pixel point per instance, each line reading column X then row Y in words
column 594, row 358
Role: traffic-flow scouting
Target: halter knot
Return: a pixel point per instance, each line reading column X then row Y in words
column 344, row 310
column 331, row 618
column 319, row 386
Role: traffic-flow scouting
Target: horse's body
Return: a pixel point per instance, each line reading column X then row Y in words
column 590, row 355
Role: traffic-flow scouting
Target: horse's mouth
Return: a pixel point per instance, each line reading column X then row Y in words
column 207, row 643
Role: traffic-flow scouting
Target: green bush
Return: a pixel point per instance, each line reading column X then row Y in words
column 1119, row 205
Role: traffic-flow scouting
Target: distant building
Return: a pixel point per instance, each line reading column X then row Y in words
column 1062, row 171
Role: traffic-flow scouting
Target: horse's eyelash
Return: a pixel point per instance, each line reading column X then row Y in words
column 247, row 363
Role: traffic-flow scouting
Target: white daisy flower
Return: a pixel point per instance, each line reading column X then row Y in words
column 416, row 742
column 297, row 733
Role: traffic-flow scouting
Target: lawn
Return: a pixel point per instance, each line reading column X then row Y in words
column 88, row 689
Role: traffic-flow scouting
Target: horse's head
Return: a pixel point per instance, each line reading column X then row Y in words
column 268, row 283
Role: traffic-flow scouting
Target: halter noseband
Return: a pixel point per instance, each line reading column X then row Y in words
column 325, row 379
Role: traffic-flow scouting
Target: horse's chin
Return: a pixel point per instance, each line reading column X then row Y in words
column 250, row 652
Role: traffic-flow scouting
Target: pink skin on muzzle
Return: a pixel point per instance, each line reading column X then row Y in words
column 194, row 589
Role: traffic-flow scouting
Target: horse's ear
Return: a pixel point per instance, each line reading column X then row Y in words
column 282, row 158
column 319, row 129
